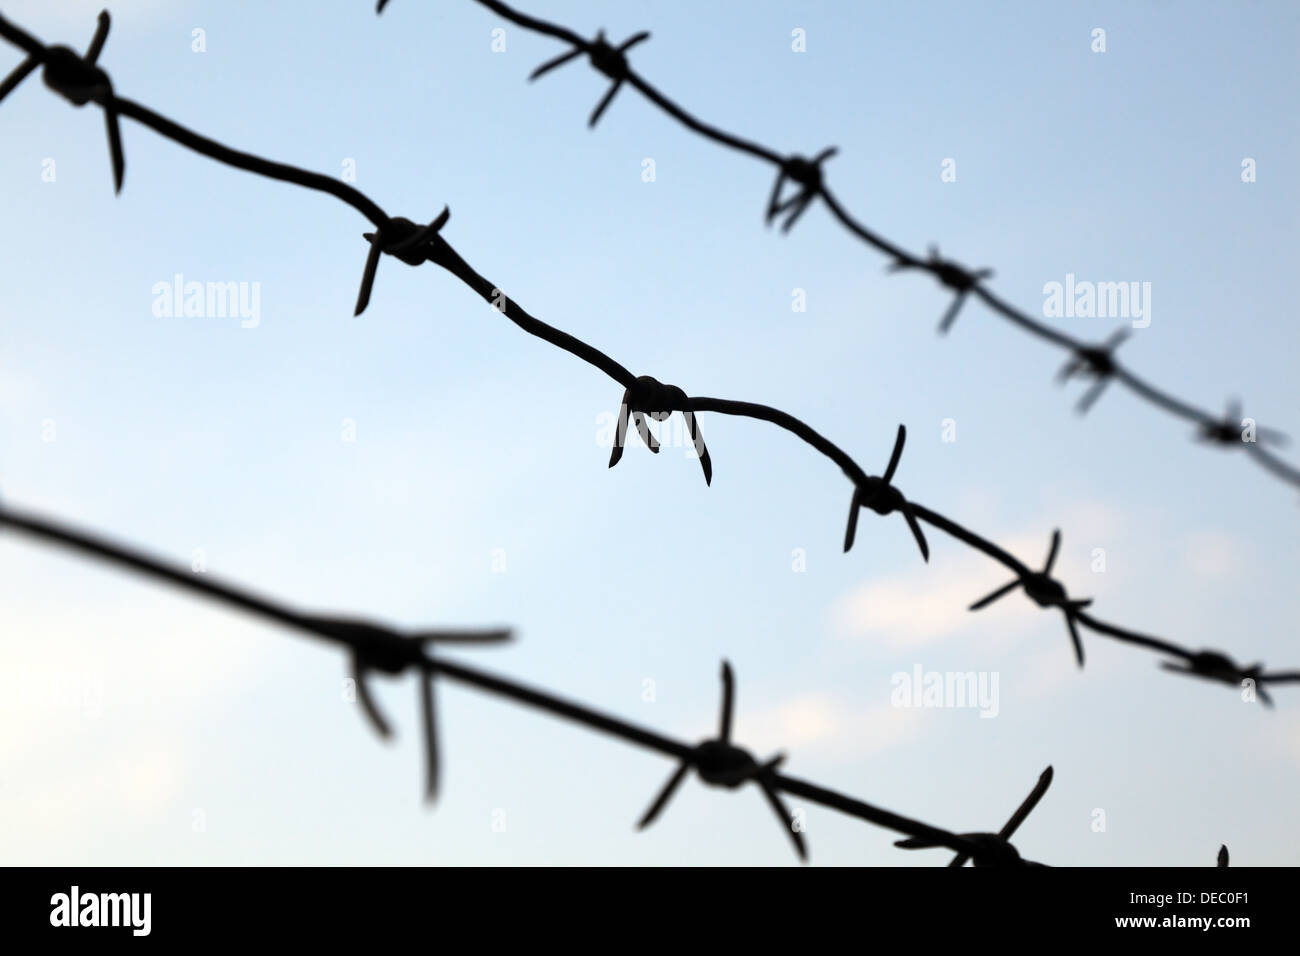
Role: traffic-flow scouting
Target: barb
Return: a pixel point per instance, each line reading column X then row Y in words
column 1223, row 855
column 1046, row 591
column 995, row 849
column 1096, row 362
column 1212, row 665
column 372, row 646
column 77, row 79
column 807, row 175
column 415, row 244
column 949, row 274
column 718, row 762
column 610, row 60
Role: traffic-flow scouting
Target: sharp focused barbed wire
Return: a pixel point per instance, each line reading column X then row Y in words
column 81, row 80
column 1095, row 360
column 375, row 647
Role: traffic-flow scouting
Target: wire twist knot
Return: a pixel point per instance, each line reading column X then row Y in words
column 402, row 238
column 649, row 396
column 1097, row 362
column 805, row 173
column 950, row 275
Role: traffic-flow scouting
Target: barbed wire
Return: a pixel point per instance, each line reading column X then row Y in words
column 374, row 647
column 1094, row 360
column 81, row 80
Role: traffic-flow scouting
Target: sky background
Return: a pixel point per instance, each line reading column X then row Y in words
column 142, row 726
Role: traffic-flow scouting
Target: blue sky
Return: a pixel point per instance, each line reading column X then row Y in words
column 135, row 714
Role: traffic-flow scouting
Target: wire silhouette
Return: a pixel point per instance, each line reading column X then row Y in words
column 807, row 175
column 995, row 849
column 643, row 395
column 375, row 647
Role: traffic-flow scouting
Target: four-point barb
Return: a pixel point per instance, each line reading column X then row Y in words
column 722, row 764
column 376, row 648
column 994, row 849
column 1232, row 429
column 649, row 396
column 1212, row 665
column 807, row 175
column 610, row 60
column 1047, row 592
column 399, row 237
column 960, row 280
column 882, row 498
column 78, row 80
column 1096, row 361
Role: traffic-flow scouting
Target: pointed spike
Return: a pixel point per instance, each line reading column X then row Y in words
column 785, row 816
column 1068, row 369
column 852, row 529
column 1074, row 637
column 701, row 450
column 772, row 207
column 368, row 706
column 620, row 432
column 643, row 429
column 728, row 697
column 464, row 637
column 804, row 201
column 993, row 596
column 115, row 146
column 551, row 64
column 951, row 315
column 97, row 41
column 910, row 517
column 896, row 453
column 368, row 276
column 1027, row 805
column 915, row 843
column 1051, row 551
column 1223, row 854
column 17, row 75
column 665, row 794
column 1092, row 394
column 633, row 41
column 604, row 102
column 427, row 722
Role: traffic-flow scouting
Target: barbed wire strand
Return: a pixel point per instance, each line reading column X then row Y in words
column 717, row 761
column 1093, row 360
column 80, row 80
